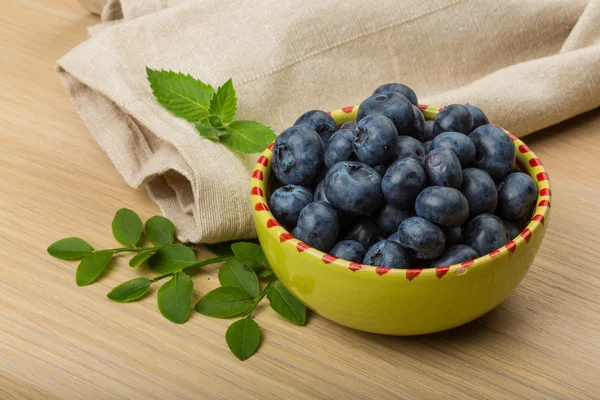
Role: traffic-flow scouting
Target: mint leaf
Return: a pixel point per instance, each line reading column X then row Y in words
column 140, row 257
column 174, row 300
column 130, row 290
column 243, row 338
column 160, row 231
column 171, row 258
column 222, row 249
column 91, row 267
column 250, row 254
column 285, row 304
column 236, row 274
column 248, row 137
column 224, row 104
column 224, row 302
column 265, row 273
column 127, row 227
column 181, row 94
column 209, row 131
column 70, row 248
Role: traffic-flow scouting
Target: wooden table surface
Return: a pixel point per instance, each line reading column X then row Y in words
column 61, row 341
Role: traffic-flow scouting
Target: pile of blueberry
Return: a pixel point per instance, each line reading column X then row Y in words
column 395, row 191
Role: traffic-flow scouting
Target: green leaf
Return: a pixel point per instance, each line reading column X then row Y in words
column 250, row 254
column 224, row 104
column 224, row 302
column 174, row 300
column 160, row 231
column 285, row 304
column 265, row 273
column 171, row 258
column 236, row 274
column 209, row 131
column 91, row 267
column 130, row 290
column 222, row 249
column 248, row 137
column 127, row 227
column 71, row 248
column 243, row 338
column 181, row 94
column 140, row 257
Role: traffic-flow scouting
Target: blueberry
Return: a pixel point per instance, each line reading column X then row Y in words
column 386, row 254
column 428, row 146
column 455, row 255
column 366, row 233
column 317, row 226
column 410, row 147
column 394, row 237
column 517, row 194
column 479, row 117
column 320, row 193
column 443, row 168
column 402, row 182
column 375, row 139
column 486, row 233
column 389, row 218
column 349, row 125
column 399, row 88
column 391, row 104
column 453, row 118
column 320, row 122
column 424, row 239
column 459, row 143
column 512, row 227
column 443, row 206
column 428, row 131
column 418, row 129
column 454, row 235
column 287, row 202
column 353, row 187
column 381, row 168
column 298, row 156
column 349, row 250
column 495, row 151
column 340, row 147
column 480, row 191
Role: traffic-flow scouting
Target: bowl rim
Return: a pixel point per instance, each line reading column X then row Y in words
column 526, row 161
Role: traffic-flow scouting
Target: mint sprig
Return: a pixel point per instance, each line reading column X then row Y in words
column 211, row 112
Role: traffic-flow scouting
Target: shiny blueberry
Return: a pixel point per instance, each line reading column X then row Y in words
column 402, row 182
column 340, row 147
column 386, row 254
column 428, row 146
column 375, row 139
column 391, row 104
column 422, row 238
column 453, row 118
column 512, row 227
column 459, row 143
column 366, row 233
column 480, row 191
column 394, row 237
column 455, row 255
column 428, row 131
column 349, row 125
column 320, row 122
column 494, row 151
column 486, row 233
column 353, row 187
column 454, row 235
column 317, row 226
column 418, row 129
column 443, row 206
column 389, row 218
column 320, row 193
column 399, row 88
column 410, row 147
column 517, row 194
column 298, row 156
column 479, row 117
column 349, row 250
column 287, row 202
column 443, row 168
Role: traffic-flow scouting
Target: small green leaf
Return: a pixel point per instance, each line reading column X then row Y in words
column 127, row 227
column 140, row 257
column 243, row 338
column 171, row 258
column 160, row 231
column 91, row 267
column 70, row 248
column 250, row 254
column 224, row 302
column 174, row 300
column 265, row 273
column 235, row 273
column 130, row 290
column 224, row 104
column 181, row 94
column 248, row 137
column 285, row 304
column 209, row 131
column 222, row 249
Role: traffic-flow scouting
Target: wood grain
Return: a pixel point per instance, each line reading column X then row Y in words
column 58, row 341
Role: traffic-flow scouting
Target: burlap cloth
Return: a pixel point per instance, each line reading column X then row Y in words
column 528, row 63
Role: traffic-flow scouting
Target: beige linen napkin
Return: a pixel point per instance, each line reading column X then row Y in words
column 528, row 63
